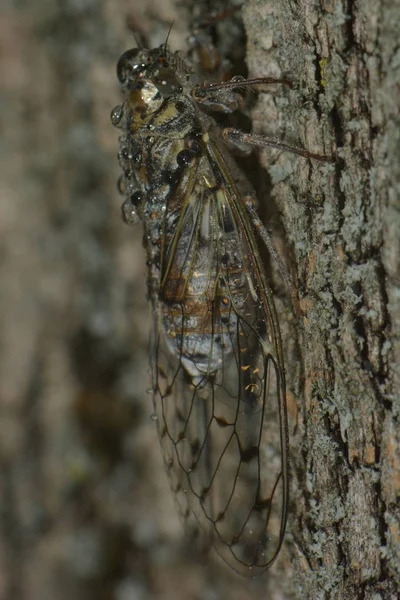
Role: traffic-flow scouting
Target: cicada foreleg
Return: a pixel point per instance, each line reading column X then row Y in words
column 241, row 82
column 235, row 136
column 205, row 94
column 221, row 97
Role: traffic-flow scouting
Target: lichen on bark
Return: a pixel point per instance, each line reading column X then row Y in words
column 341, row 227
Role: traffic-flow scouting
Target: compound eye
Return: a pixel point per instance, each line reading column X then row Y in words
column 127, row 64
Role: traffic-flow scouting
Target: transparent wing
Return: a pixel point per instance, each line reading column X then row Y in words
column 218, row 378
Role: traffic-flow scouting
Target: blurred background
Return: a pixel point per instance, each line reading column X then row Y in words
column 85, row 509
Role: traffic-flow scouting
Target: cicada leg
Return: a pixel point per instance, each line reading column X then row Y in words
column 201, row 41
column 266, row 238
column 214, row 17
column 221, row 97
column 235, row 136
column 236, row 83
column 241, row 140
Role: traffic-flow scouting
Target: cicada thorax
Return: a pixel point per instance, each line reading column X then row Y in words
column 156, row 118
column 150, row 149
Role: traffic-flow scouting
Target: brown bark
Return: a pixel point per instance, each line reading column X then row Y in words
column 341, row 227
column 85, row 506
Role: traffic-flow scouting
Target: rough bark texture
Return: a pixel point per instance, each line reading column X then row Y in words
column 85, row 509
column 342, row 231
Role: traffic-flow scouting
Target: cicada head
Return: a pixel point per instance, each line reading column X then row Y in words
column 150, row 77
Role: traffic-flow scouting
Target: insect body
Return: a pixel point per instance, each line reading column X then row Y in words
column 217, row 370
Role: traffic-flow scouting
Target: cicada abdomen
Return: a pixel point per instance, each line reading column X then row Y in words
column 217, row 369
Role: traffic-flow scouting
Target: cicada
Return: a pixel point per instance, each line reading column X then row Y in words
column 218, row 377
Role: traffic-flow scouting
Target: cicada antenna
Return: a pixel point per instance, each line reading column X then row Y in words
column 168, row 34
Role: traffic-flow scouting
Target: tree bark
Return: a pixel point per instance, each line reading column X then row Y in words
column 85, row 507
column 341, row 224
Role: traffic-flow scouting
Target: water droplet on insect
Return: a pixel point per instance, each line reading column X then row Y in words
column 154, row 417
column 184, row 158
column 116, row 115
column 129, row 215
column 238, row 78
column 121, row 185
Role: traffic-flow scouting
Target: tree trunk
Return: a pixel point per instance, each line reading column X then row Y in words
column 85, row 507
column 342, row 239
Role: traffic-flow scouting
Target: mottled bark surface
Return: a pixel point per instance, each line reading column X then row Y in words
column 85, row 510
column 342, row 232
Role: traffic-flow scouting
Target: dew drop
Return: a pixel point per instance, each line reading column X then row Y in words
column 121, row 185
column 184, row 158
column 116, row 115
column 129, row 215
column 238, row 78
